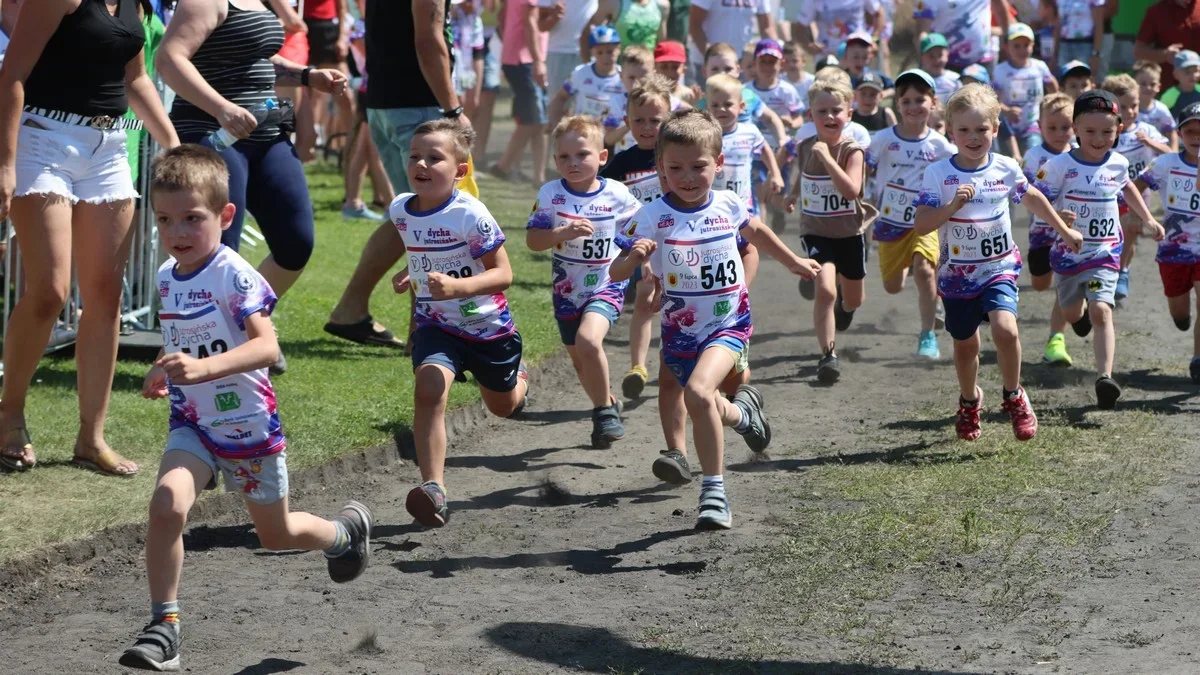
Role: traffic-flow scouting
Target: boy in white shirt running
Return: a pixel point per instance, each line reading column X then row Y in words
column 1086, row 184
column 579, row 216
column 1021, row 82
column 690, row 239
column 218, row 343
column 591, row 87
column 966, row 199
column 458, row 270
column 1152, row 111
column 743, row 144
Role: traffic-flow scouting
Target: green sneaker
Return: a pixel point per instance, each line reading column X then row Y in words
column 1056, row 351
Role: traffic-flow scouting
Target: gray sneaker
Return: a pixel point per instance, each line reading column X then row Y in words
column 607, row 426
column 714, row 510
column 672, row 467
column 350, row 565
column 758, row 432
column 155, row 648
column 828, row 370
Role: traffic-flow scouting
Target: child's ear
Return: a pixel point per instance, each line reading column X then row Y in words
column 461, row 173
column 604, row 156
column 720, row 161
column 227, row 215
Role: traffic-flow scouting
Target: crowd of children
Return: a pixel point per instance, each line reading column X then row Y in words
column 663, row 187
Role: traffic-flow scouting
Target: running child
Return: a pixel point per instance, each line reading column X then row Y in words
column 743, row 144
column 829, row 186
column 591, row 87
column 1086, row 185
column 1174, row 177
column 935, row 54
column 720, row 59
column 867, row 111
column 1075, row 78
column 783, row 99
column 794, row 73
column 459, row 270
column 636, row 63
column 965, row 199
column 670, row 62
column 224, row 421
column 1057, row 134
column 1187, row 76
column 1139, row 143
column 690, row 239
column 899, row 157
column 1152, row 111
column 859, row 47
column 1021, row 82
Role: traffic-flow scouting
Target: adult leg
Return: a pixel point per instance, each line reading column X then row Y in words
column 277, row 195
column 516, row 145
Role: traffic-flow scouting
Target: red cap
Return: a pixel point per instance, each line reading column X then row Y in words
column 670, row 51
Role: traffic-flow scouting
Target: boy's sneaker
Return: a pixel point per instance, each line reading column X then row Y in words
column 828, row 370
column 714, row 510
column 808, row 288
column 427, row 504
column 1195, row 370
column 155, row 648
column 939, row 316
column 634, row 382
column 349, row 565
column 841, row 318
column 758, row 430
column 607, row 426
column 1108, row 392
column 1056, row 351
column 1122, row 291
column 927, row 346
column 1084, row 325
column 967, row 423
column 1024, row 422
column 672, row 467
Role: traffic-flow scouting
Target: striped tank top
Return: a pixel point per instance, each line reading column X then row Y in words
column 233, row 60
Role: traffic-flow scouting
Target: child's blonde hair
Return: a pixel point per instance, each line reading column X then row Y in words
column 719, row 49
column 1120, row 85
column 690, row 128
column 1140, row 67
column 791, row 48
column 724, row 84
column 652, row 88
column 974, row 96
column 585, row 125
column 838, row 87
column 461, row 137
column 190, row 167
column 1057, row 102
column 637, row 55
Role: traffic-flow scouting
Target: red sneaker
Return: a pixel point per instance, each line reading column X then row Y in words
column 1024, row 422
column 967, row 425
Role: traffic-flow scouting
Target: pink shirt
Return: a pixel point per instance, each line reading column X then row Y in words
column 516, row 51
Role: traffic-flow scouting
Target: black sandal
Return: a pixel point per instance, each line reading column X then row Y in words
column 364, row 333
column 16, row 462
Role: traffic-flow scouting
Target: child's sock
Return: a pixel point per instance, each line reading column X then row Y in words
column 743, row 423
column 341, row 540
column 167, row 611
column 1009, row 395
column 713, row 483
column 968, row 402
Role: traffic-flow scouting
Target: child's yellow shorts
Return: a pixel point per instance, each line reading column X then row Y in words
column 897, row 256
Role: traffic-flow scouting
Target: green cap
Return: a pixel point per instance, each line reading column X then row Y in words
column 933, row 40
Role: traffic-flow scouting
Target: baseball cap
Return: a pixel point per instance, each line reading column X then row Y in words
column 1186, row 59
column 669, row 51
column 1071, row 66
column 1189, row 113
column 861, row 36
column 1096, row 100
column 1020, row 30
column 603, row 35
column 978, row 73
column 916, row 74
column 768, row 47
column 870, row 80
column 933, row 40
column 825, row 62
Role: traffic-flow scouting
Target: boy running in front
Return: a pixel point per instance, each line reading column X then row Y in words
column 218, row 344
column 899, row 157
column 459, row 270
column 965, row 199
column 690, row 239
column 1086, row 184
column 579, row 216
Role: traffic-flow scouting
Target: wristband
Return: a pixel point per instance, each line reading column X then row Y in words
column 304, row 76
column 453, row 113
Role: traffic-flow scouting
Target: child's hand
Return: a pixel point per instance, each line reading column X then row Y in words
column 400, row 281
column 821, row 149
column 805, row 267
column 776, row 185
column 155, row 384
column 443, row 287
column 642, row 248
column 1154, row 230
column 183, row 368
column 1068, row 217
column 1073, row 239
column 790, row 204
column 1142, row 136
column 576, row 229
column 964, row 194
column 1013, row 114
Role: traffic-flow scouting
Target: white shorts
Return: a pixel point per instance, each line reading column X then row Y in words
column 261, row 480
column 76, row 162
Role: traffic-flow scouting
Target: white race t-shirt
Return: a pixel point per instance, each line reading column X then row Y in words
column 1023, row 88
column 730, row 21
column 1175, row 181
column 452, row 239
column 1041, row 234
column 564, row 37
column 593, row 94
column 1091, row 192
column 1076, row 18
column 967, row 25
column 204, row 314
column 802, row 86
column 899, row 164
column 1136, row 152
column 977, row 247
column 1158, row 116
column 836, row 19
column 741, row 147
column 946, row 84
column 580, row 266
column 783, row 100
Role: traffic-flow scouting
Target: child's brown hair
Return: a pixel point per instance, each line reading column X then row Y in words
column 690, row 128
column 190, row 167
column 462, row 137
column 585, row 125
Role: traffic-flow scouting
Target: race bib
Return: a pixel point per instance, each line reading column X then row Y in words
column 595, row 106
column 1098, row 220
column 896, row 206
column 597, row 249
column 200, row 333
column 453, row 261
column 645, row 189
column 735, row 177
column 1182, row 197
column 819, row 197
column 705, row 267
column 977, row 242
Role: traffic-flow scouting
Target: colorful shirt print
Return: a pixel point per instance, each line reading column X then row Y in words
column 1138, row 154
column 1076, row 18
column 742, row 147
column 1158, row 115
column 1041, row 233
column 1174, row 178
column 967, row 25
column 946, row 84
column 1091, row 192
column 783, row 100
column 899, row 164
column 836, row 19
column 1023, row 88
column 592, row 94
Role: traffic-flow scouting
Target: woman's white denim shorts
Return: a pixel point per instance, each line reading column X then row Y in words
column 79, row 163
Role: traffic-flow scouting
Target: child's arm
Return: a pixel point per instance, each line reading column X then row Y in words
column 763, row 237
column 890, row 116
column 155, row 384
column 749, row 255
column 1041, row 207
column 1173, row 139
column 774, row 177
column 612, row 135
column 557, row 107
column 260, row 351
column 627, row 263
column 542, row 239
column 929, row 218
column 848, row 180
column 1133, row 197
column 1153, row 143
column 776, row 123
column 496, row 278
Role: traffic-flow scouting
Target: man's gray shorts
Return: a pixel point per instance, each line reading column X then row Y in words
column 1098, row 284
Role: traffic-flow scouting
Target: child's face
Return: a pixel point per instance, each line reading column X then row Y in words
column 767, row 67
column 631, row 73
column 1074, row 85
column 1097, row 133
column 189, row 230
column 1020, row 50
column 793, row 61
column 722, row 64
column 725, row 108
column 1057, row 129
column 934, row 61
column 689, row 171
column 857, row 57
column 1187, row 77
column 645, row 120
column 672, row 70
column 830, row 114
column 937, row 123
column 606, row 56
column 1148, row 85
column 1189, row 137
column 973, row 133
column 433, row 169
column 578, row 158
column 1128, row 105
column 866, row 99
column 915, row 106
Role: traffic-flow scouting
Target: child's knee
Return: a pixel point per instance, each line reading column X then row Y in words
column 893, row 285
column 1004, row 332
column 924, row 270
column 695, row 399
column 168, row 509
column 1100, row 312
column 429, row 389
column 1042, row 282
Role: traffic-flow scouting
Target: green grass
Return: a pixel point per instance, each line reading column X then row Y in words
column 336, row 397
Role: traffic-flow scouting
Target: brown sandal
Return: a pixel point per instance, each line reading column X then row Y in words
column 12, row 456
column 107, row 463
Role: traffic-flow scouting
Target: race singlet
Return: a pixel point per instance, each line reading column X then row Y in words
column 736, row 177
column 819, row 197
column 1097, row 220
column 200, row 333
column 595, row 106
column 896, row 206
column 597, row 249
column 707, row 275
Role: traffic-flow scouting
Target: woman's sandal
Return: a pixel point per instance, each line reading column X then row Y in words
column 12, row 456
column 107, row 463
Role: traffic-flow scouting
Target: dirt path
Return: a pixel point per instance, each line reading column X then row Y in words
column 610, row 577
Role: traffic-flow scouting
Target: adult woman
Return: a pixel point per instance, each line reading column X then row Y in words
column 221, row 58
column 639, row 22
column 68, row 76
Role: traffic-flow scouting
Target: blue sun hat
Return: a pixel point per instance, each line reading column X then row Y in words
column 603, row 35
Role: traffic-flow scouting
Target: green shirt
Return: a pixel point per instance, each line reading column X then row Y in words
column 155, row 30
column 638, row 24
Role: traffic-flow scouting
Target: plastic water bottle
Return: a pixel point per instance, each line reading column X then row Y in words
column 223, row 140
